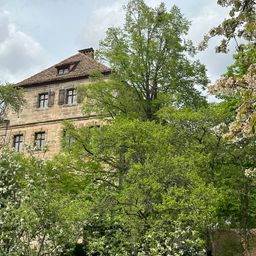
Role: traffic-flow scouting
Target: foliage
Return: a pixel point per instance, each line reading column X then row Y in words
column 242, row 87
column 240, row 24
column 240, row 79
column 239, row 83
column 109, row 98
column 10, row 200
column 37, row 217
column 149, row 56
column 146, row 188
column 229, row 167
column 161, row 169
column 157, row 177
column 10, row 96
column 132, row 187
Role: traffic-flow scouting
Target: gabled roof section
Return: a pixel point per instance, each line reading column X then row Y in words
column 82, row 65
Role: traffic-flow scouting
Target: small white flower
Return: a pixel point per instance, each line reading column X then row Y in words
column 250, row 172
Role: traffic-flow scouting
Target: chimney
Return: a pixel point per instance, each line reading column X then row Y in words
column 88, row 51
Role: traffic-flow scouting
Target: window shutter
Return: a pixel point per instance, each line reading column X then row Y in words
column 38, row 100
column 61, row 97
column 51, row 99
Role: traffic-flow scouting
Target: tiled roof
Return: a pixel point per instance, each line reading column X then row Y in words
column 84, row 64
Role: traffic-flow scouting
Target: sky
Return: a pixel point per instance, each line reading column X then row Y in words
column 36, row 34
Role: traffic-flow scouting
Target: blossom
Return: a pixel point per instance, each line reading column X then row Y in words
column 250, row 172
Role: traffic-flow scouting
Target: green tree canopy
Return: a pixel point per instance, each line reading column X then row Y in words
column 10, row 96
column 150, row 56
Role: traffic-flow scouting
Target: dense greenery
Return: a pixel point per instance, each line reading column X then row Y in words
column 240, row 80
column 10, row 96
column 157, row 178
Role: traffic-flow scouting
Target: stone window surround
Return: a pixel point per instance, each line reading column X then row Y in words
column 40, row 140
column 67, row 138
column 43, row 100
column 71, row 96
column 18, row 141
column 70, row 99
column 68, row 96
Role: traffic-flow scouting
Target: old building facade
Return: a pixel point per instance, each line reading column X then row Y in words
column 51, row 98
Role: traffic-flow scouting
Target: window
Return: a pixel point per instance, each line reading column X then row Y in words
column 66, row 68
column 71, row 96
column 40, row 140
column 18, row 142
column 63, row 70
column 43, row 100
column 68, row 96
column 96, row 127
column 68, row 140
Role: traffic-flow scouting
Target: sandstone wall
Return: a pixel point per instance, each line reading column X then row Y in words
column 53, row 131
column 33, row 119
column 31, row 113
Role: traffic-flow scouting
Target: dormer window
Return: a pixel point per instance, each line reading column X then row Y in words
column 63, row 70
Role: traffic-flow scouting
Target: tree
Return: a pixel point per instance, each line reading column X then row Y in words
column 148, row 196
column 157, row 177
column 240, row 79
column 145, row 178
column 239, row 24
column 40, row 211
column 10, row 96
column 237, row 88
column 149, row 57
column 149, row 172
column 239, row 83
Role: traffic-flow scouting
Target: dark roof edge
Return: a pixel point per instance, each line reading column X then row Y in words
column 64, row 80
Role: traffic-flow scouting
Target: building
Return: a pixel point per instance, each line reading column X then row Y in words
column 51, row 98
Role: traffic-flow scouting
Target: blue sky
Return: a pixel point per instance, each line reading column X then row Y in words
column 35, row 34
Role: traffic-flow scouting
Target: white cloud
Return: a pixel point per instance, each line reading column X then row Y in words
column 101, row 19
column 20, row 55
column 208, row 16
column 104, row 17
column 153, row 3
column 3, row 26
